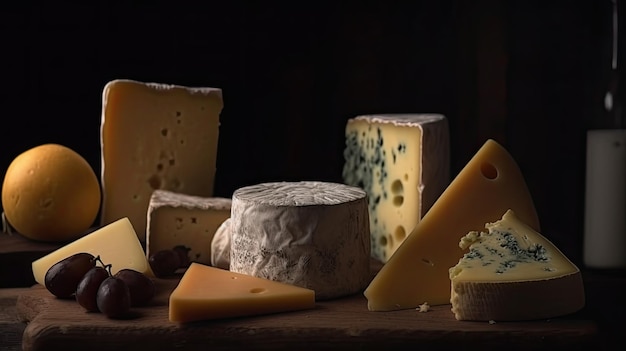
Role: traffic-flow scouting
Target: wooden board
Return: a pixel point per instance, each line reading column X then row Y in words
column 338, row 324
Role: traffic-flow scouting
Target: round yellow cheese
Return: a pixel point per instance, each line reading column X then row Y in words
column 50, row 193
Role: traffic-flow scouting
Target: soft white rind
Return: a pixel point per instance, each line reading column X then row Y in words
column 402, row 119
column 309, row 234
column 220, row 246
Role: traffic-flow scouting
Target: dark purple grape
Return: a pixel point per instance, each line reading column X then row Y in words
column 113, row 298
column 183, row 254
column 87, row 290
column 164, row 263
column 140, row 286
column 63, row 277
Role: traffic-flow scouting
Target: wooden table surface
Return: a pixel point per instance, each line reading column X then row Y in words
column 31, row 319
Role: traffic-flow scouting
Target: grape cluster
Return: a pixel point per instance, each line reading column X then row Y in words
column 165, row 263
column 86, row 278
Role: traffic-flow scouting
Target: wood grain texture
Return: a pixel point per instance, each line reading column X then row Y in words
column 11, row 328
column 338, row 324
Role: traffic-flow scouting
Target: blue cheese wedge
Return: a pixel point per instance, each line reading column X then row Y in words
column 511, row 272
column 402, row 162
column 309, row 234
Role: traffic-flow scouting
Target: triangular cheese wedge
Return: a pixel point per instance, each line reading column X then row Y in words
column 512, row 272
column 206, row 292
column 486, row 187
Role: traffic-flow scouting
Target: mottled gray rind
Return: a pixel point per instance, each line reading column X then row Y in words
column 309, row 234
column 220, row 246
column 161, row 198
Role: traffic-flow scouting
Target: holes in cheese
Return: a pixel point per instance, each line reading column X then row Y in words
column 155, row 136
column 488, row 185
column 206, row 292
column 176, row 219
column 402, row 162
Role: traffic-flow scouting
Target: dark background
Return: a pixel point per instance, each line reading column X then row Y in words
column 529, row 74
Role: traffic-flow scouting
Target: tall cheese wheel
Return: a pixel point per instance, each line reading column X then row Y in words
column 309, row 234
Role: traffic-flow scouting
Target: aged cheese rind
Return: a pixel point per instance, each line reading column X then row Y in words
column 176, row 219
column 489, row 184
column 512, row 272
column 402, row 162
column 155, row 136
column 220, row 246
column 309, row 234
column 206, row 293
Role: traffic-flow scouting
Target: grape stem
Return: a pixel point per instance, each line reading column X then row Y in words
column 105, row 266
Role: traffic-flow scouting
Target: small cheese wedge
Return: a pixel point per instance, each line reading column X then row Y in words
column 488, row 185
column 176, row 219
column 512, row 272
column 155, row 136
column 206, row 292
column 116, row 244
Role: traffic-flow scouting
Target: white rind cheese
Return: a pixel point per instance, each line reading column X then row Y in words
column 155, row 136
column 220, row 246
column 309, row 234
column 175, row 219
column 512, row 272
column 402, row 162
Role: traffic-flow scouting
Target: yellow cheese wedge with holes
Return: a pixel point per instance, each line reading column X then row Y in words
column 206, row 292
column 488, row 185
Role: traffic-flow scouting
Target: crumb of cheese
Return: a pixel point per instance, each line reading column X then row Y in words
column 423, row 307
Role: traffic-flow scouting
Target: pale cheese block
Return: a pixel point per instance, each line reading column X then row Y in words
column 489, row 184
column 310, row 234
column 402, row 161
column 176, row 219
column 511, row 273
column 155, row 136
column 206, row 293
column 116, row 244
column 220, row 246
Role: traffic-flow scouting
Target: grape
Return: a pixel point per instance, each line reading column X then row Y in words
column 113, row 298
column 183, row 254
column 63, row 277
column 140, row 286
column 87, row 289
column 164, row 262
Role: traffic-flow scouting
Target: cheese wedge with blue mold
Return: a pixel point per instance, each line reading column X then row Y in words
column 511, row 272
column 418, row 272
column 402, row 162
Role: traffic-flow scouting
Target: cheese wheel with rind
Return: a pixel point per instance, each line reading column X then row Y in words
column 310, row 234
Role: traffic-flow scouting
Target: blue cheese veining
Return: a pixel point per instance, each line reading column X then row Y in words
column 402, row 162
column 511, row 272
